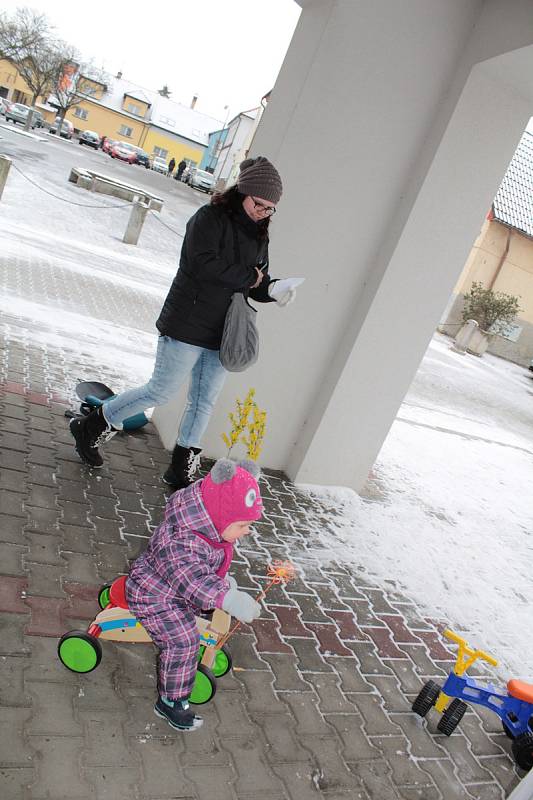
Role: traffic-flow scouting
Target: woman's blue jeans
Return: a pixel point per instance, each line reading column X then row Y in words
column 174, row 362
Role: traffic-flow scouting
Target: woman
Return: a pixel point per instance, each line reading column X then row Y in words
column 225, row 250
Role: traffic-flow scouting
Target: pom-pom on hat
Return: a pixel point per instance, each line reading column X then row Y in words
column 230, row 493
column 260, row 178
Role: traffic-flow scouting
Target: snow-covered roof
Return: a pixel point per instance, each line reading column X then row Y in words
column 138, row 94
column 513, row 204
column 182, row 120
column 163, row 112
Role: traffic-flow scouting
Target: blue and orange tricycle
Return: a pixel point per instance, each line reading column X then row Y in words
column 514, row 705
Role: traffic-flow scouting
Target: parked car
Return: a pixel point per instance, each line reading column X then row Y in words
column 124, row 151
column 4, row 105
column 108, row 144
column 65, row 128
column 90, row 138
column 18, row 112
column 159, row 165
column 141, row 157
column 200, row 179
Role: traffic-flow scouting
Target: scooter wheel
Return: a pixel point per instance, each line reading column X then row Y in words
column 79, row 652
column 451, row 717
column 104, row 595
column 222, row 663
column 426, row 699
column 205, row 686
column 523, row 751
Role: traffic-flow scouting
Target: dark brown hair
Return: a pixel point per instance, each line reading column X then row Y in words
column 231, row 201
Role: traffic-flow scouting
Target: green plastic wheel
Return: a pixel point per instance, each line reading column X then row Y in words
column 205, row 686
column 222, row 663
column 78, row 651
column 104, row 595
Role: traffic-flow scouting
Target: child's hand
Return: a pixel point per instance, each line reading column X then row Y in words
column 241, row 605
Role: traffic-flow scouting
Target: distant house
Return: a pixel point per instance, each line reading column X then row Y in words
column 210, row 157
column 502, row 257
column 123, row 110
column 238, row 132
column 141, row 116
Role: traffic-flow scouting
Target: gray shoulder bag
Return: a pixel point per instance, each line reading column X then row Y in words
column 239, row 348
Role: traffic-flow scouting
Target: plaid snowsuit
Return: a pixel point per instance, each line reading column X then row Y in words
column 180, row 573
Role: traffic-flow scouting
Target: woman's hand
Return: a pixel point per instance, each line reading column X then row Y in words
column 260, row 276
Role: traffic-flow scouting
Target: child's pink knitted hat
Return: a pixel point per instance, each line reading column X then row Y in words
column 230, row 493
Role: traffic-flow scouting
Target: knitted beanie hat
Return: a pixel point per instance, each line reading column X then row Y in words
column 230, row 493
column 260, row 178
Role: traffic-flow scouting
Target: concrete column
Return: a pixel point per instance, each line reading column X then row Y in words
column 139, row 210
column 392, row 125
column 5, row 164
column 524, row 790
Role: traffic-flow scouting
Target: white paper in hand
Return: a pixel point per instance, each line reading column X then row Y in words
column 279, row 288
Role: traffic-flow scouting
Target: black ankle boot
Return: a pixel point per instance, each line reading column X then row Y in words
column 178, row 714
column 182, row 467
column 90, row 432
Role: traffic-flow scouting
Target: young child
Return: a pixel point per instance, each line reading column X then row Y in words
column 183, row 571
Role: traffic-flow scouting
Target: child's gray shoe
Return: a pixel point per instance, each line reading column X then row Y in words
column 178, row 714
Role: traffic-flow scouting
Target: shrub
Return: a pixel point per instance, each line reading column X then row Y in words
column 493, row 311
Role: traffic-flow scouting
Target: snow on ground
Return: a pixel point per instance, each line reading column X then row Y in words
column 454, row 527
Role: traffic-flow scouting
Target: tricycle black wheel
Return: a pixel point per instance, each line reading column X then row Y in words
column 451, row 717
column 426, row 699
column 222, row 663
column 104, row 595
column 205, row 686
column 523, row 750
column 79, row 652
column 508, row 732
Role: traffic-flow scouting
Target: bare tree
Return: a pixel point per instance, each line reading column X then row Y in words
column 26, row 41
column 21, row 33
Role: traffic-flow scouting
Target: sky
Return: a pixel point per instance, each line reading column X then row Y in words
column 228, row 54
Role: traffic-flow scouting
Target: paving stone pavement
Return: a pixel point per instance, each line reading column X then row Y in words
column 318, row 703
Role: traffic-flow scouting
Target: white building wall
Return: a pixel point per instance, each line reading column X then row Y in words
column 422, row 132
column 238, row 134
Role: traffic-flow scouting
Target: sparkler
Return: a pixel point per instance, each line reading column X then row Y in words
column 278, row 572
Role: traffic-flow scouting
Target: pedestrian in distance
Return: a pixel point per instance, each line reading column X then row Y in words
column 102, row 142
column 181, row 168
column 224, row 251
column 183, row 571
column 171, row 165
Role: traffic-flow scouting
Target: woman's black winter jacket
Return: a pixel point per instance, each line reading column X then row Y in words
column 212, row 267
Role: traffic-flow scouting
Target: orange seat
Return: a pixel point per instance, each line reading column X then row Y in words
column 117, row 593
column 520, row 690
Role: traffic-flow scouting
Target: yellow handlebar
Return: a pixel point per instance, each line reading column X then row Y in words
column 454, row 637
column 462, row 663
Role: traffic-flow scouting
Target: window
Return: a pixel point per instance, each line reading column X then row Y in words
column 133, row 109
column 158, row 151
column 125, row 131
column 81, row 113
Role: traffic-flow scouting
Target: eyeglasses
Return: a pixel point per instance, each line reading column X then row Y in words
column 268, row 210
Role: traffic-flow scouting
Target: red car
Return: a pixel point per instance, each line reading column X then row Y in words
column 108, row 144
column 124, row 151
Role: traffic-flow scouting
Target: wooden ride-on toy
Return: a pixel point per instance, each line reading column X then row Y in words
column 514, row 706
column 81, row 651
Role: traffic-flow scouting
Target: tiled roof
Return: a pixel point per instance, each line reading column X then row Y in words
column 513, row 204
